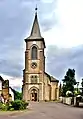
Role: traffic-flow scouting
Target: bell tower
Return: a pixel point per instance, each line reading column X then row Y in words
column 33, row 75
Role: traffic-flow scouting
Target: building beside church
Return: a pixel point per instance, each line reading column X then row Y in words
column 37, row 84
column 6, row 92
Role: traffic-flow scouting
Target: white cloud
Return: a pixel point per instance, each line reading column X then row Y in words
column 14, row 82
column 68, row 31
column 47, row 1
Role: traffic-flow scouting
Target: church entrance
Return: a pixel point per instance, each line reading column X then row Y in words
column 34, row 95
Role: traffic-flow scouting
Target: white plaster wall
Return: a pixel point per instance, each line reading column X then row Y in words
column 67, row 100
column 12, row 94
column 0, row 85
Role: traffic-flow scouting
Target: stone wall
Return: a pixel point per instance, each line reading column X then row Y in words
column 46, row 82
column 67, row 100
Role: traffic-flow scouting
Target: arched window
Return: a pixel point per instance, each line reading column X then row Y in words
column 34, row 53
column 34, row 79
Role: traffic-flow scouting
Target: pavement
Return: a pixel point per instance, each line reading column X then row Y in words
column 47, row 110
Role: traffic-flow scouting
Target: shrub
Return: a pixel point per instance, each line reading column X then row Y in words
column 14, row 105
column 24, row 104
column 19, row 105
column 69, row 94
column 0, row 105
column 11, row 109
column 3, row 107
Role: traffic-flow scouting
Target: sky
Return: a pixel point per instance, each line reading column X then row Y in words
column 61, row 25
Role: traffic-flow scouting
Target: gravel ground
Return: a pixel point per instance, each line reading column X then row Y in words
column 47, row 110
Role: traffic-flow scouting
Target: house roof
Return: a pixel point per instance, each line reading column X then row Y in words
column 52, row 79
column 1, row 79
column 11, row 89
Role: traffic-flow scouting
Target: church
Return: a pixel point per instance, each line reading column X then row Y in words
column 37, row 84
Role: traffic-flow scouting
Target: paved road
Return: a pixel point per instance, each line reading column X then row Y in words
column 48, row 110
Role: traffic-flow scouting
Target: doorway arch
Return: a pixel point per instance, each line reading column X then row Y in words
column 34, row 94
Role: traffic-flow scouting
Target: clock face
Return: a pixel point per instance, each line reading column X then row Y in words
column 33, row 65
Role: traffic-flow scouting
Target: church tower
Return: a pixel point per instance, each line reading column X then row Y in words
column 33, row 75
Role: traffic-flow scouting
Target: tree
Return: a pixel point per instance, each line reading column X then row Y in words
column 77, row 91
column 60, row 90
column 77, row 85
column 82, row 86
column 69, row 81
column 17, row 95
column 64, row 90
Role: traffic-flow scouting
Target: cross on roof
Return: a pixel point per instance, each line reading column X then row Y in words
column 36, row 8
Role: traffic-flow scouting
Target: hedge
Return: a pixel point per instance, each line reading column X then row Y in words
column 14, row 105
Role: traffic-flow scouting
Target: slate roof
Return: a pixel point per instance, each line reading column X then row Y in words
column 52, row 79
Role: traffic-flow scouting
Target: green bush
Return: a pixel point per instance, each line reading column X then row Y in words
column 14, row 105
column 3, row 107
column 0, row 105
column 11, row 109
column 19, row 105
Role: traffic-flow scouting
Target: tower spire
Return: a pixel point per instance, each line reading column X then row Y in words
column 35, row 31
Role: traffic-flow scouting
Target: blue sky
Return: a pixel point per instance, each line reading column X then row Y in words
column 61, row 24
